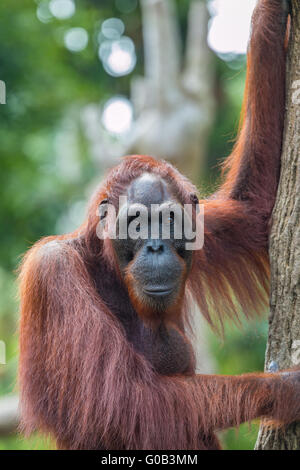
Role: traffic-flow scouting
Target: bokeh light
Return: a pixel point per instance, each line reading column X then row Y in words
column 43, row 13
column 126, row 6
column 112, row 28
column 62, row 9
column 118, row 57
column 117, row 115
column 230, row 26
column 76, row 39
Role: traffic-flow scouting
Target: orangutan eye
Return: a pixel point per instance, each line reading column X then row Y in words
column 170, row 218
column 131, row 218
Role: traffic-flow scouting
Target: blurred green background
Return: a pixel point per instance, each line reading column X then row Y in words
column 46, row 165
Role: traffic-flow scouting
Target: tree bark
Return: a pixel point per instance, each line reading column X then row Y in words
column 283, row 349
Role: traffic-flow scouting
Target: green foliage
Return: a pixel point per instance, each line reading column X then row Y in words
column 35, row 442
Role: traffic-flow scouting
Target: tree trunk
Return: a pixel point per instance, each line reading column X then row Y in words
column 283, row 349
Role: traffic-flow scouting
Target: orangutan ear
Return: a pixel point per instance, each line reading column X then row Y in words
column 195, row 202
column 103, row 209
column 194, row 199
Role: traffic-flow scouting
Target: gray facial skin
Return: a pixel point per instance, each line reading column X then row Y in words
column 158, row 266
